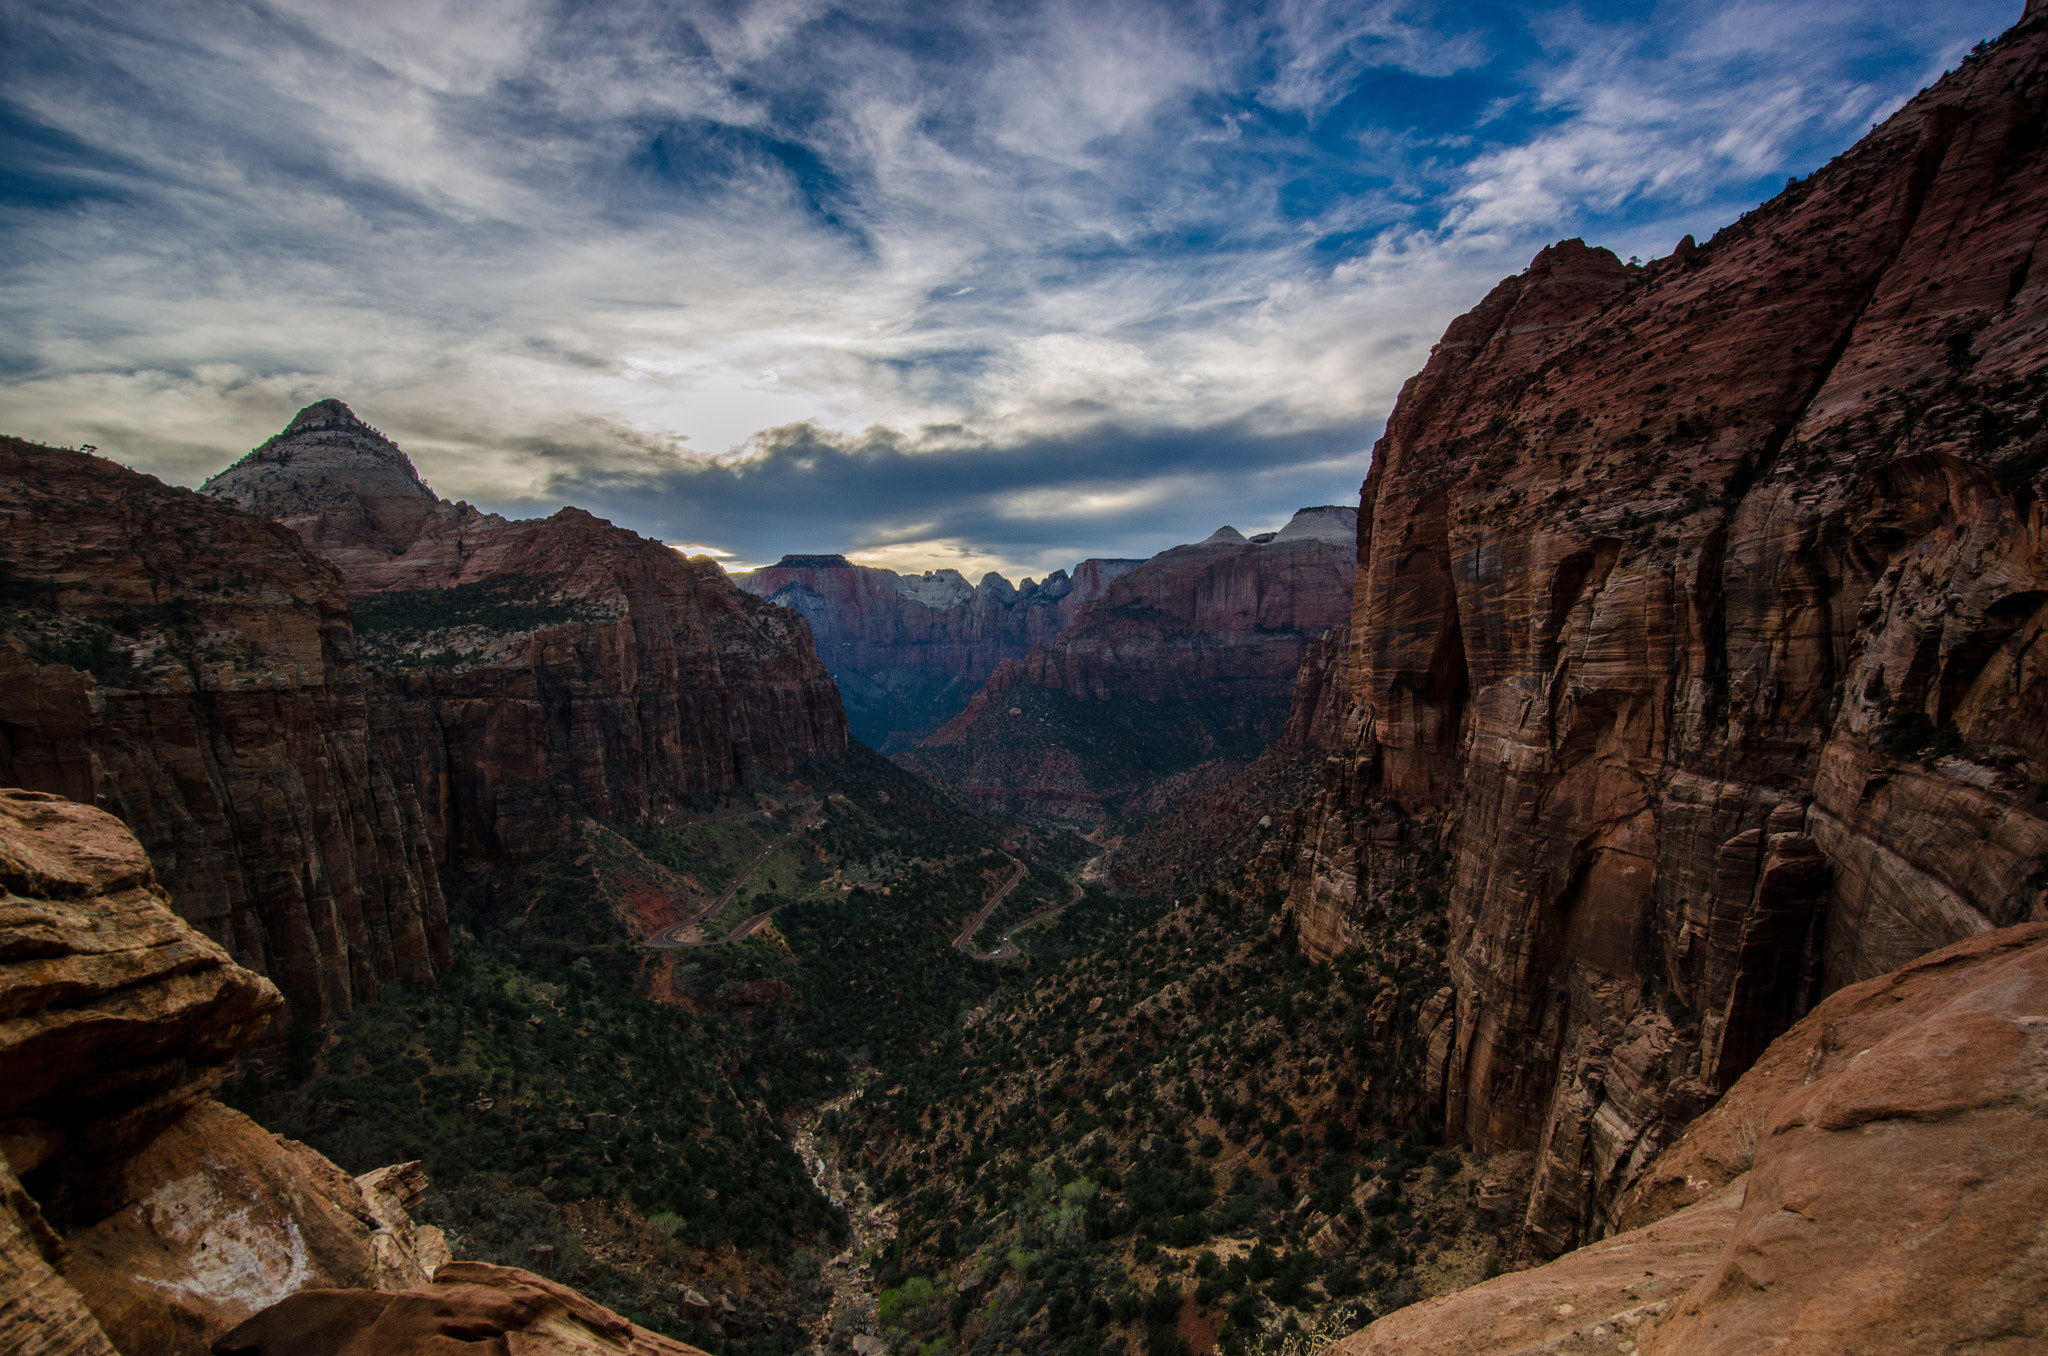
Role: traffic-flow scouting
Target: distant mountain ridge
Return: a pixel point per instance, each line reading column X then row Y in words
column 1191, row 656
column 306, row 745
column 908, row 650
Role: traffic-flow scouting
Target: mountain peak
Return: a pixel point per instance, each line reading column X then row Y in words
column 326, row 462
column 1323, row 522
column 328, row 413
column 1223, row 536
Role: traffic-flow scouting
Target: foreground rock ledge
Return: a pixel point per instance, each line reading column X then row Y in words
column 484, row 1308
column 1877, row 1183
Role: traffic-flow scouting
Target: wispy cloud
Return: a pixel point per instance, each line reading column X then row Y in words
column 1031, row 281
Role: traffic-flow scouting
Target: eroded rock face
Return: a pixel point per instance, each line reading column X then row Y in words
column 907, row 650
column 135, row 1213
column 192, row 670
column 196, row 671
column 1194, row 653
column 482, row 1308
column 113, row 1011
column 1700, row 619
column 1875, row 1183
column 539, row 668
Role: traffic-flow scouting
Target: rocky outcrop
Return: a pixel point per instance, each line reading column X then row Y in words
column 481, row 1307
column 191, row 669
column 1191, row 656
column 136, row 1214
column 201, row 673
column 908, row 650
column 1875, row 1183
column 540, row 668
column 1322, row 695
column 1700, row 620
column 1593, row 1300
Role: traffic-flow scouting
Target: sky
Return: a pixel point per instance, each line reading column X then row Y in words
column 964, row 284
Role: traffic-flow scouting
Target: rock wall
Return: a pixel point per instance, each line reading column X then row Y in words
column 136, row 1215
column 191, row 669
column 908, row 650
column 1866, row 1187
column 303, row 765
column 542, row 668
column 1192, row 655
column 1699, row 618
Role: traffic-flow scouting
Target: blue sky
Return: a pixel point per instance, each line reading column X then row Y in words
column 981, row 285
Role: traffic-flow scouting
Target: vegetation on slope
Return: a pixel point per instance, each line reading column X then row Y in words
column 1190, row 1136
column 681, row 1204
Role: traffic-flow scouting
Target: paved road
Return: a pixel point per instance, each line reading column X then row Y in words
column 964, row 943
column 672, row 935
column 1005, row 948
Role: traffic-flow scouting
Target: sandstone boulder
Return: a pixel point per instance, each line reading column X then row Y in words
column 114, row 1012
column 470, row 1307
column 1877, row 1183
column 146, row 1217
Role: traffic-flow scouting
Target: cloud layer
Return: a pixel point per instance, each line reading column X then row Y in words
column 970, row 283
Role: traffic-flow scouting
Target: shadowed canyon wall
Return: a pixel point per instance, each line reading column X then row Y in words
column 908, row 650
column 1699, row 620
column 302, row 765
column 1193, row 654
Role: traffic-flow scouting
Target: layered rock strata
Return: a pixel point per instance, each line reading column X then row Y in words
column 192, row 670
column 481, row 1307
column 907, row 651
column 1700, row 619
column 1875, row 1183
column 137, row 1215
column 1192, row 655
column 540, row 668
column 202, row 673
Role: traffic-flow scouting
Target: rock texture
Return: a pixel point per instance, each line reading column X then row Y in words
column 201, row 673
column 191, row 669
column 136, row 1214
column 1700, row 619
column 1876, row 1183
column 540, row 668
column 908, row 650
column 470, row 1306
column 1192, row 655
column 1604, row 1298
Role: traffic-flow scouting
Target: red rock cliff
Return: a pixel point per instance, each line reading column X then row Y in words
column 191, row 669
column 908, row 650
column 1700, row 619
column 540, row 668
column 1193, row 653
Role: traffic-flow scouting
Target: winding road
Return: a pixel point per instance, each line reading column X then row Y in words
column 672, row 935
column 1005, row 948
column 964, row 943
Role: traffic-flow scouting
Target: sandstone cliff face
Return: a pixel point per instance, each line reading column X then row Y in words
column 192, row 670
column 135, row 1214
column 481, row 1307
column 907, row 651
column 1875, row 1183
column 1700, row 619
column 1191, row 655
column 539, row 668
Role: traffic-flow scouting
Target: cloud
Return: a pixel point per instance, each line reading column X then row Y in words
column 1069, row 253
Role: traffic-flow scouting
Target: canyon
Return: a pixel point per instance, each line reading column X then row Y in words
column 1189, row 658
column 907, row 651
column 1700, row 622
column 309, row 725
column 1592, row 896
